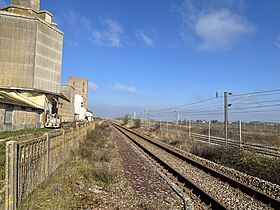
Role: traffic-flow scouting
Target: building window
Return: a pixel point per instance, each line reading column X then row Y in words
column 8, row 115
column 23, row 108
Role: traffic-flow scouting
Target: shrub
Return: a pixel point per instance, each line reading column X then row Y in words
column 105, row 172
column 125, row 120
column 137, row 123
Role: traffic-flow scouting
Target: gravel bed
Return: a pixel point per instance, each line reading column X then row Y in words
column 231, row 197
column 254, row 182
column 143, row 179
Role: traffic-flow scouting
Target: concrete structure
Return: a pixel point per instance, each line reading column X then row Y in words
column 17, row 113
column 66, row 106
column 30, row 48
column 80, row 111
column 81, row 88
column 30, row 65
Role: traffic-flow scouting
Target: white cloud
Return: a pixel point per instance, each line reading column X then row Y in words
column 126, row 88
column 143, row 37
column 77, row 22
column 112, row 36
column 277, row 42
column 92, row 85
column 213, row 26
column 220, row 30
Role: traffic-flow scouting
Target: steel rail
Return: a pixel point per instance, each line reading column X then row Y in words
column 204, row 196
column 267, row 199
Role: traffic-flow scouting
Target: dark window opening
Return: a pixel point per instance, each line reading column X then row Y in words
column 8, row 115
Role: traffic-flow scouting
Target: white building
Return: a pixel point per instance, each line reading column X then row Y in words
column 80, row 111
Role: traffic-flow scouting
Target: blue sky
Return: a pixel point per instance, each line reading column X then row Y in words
column 160, row 53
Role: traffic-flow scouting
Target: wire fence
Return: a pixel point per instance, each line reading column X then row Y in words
column 213, row 133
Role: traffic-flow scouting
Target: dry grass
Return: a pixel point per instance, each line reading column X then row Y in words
column 92, row 179
column 93, row 164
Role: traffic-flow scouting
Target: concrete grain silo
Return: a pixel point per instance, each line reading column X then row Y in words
column 30, row 48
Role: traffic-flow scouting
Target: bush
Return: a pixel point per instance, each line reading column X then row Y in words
column 125, row 120
column 137, row 123
column 105, row 172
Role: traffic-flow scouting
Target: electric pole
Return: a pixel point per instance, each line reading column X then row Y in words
column 226, row 117
column 226, row 105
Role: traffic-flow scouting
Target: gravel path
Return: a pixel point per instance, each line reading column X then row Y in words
column 143, row 179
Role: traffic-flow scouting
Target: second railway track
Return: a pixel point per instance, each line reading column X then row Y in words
column 215, row 189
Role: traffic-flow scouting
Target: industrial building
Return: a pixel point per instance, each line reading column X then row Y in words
column 30, row 70
column 81, row 88
column 30, row 65
column 30, row 48
column 16, row 113
column 66, row 106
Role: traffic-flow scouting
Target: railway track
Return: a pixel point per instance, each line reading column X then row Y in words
column 214, row 188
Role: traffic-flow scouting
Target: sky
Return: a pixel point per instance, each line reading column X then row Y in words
column 163, row 53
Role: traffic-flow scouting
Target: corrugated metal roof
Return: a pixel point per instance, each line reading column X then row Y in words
column 7, row 99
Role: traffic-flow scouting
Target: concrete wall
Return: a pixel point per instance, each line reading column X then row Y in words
column 48, row 61
column 17, row 51
column 30, row 53
column 21, row 119
column 33, row 4
column 67, row 109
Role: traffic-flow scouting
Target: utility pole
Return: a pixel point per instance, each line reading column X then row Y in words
column 178, row 118
column 149, row 120
column 144, row 119
column 226, row 117
column 189, row 128
column 226, row 105
column 209, row 131
column 240, row 133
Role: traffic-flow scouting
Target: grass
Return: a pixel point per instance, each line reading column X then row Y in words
column 93, row 164
column 266, row 168
column 35, row 132
column 92, row 179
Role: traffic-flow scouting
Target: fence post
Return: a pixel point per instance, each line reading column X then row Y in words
column 48, row 153
column 11, row 193
column 64, row 145
column 167, row 126
column 209, row 131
